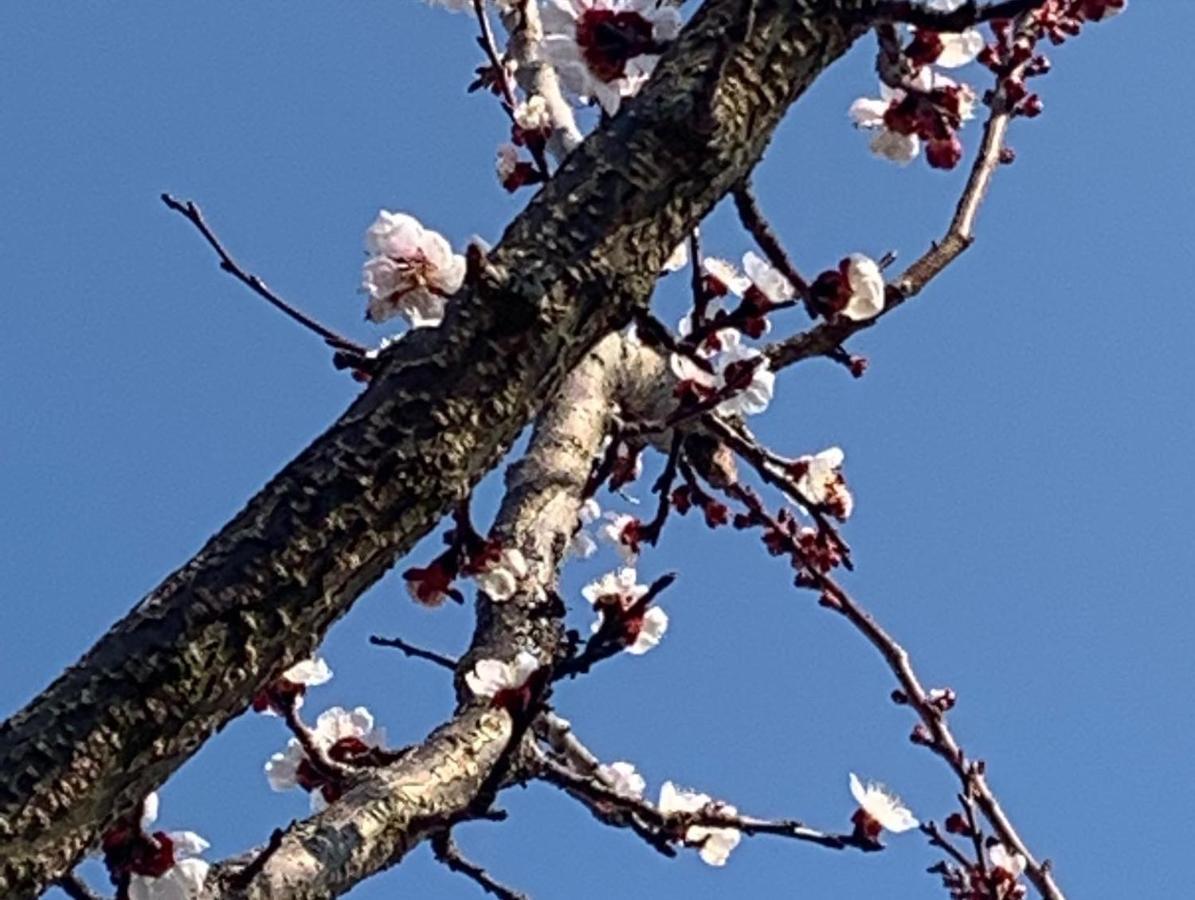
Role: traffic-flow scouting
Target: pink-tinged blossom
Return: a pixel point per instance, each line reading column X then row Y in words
column 411, row 271
column 1010, row 863
column 622, row 778
column 869, row 114
column 159, row 865
column 855, row 289
column 492, row 677
column 879, row 810
column 614, row 596
column 945, row 49
column 622, row 531
column 185, row 877
column 532, row 115
column 821, row 482
column 500, row 579
column 291, row 686
column 714, row 844
column 735, row 365
column 342, row 735
column 605, row 50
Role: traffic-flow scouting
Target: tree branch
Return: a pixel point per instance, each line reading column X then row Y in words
column 443, row 407
column 447, row 852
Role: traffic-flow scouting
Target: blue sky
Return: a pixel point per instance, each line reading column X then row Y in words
column 1019, row 449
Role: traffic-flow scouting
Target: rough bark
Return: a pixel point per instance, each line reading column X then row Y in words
column 445, row 405
column 374, row 825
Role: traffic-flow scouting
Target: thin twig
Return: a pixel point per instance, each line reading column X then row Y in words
column 446, row 851
column 938, row 736
column 753, row 220
column 191, row 212
column 772, row 468
column 672, row 826
column 445, row 662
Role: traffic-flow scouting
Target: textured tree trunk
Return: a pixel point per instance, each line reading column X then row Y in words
column 445, row 406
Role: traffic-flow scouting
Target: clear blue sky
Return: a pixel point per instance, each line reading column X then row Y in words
column 1020, row 449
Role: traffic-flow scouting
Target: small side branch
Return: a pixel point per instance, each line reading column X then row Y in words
column 439, row 659
column 191, row 212
column 447, row 852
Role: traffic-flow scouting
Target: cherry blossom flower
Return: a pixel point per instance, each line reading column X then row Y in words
column 644, row 631
column 160, row 865
column 532, row 115
column 722, row 277
column 1010, row 863
column 493, row 677
column 583, row 543
column 737, row 367
column 605, row 50
column 948, row 50
column 342, row 735
column 768, row 280
column 622, row 778
column 855, row 289
column 622, row 531
column 411, row 270
column 879, row 810
column 500, row 579
column 620, row 585
column 891, row 145
column 715, row 843
column 821, row 482
column 185, row 874
column 292, row 685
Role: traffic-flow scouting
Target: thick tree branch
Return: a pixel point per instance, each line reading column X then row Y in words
column 444, row 406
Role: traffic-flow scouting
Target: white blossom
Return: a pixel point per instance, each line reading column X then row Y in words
column 650, row 633
column 960, row 48
column 725, row 274
column 612, row 530
column 758, row 394
column 309, row 673
column 867, row 288
column 182, row 881
column 868, row 113
column 501, row 579
column 490, row 676
column 715, row 843
column 822, row 482
column 1002, row 858
column 333, row 725
column 769, row 280
column 882, row 806
column 411, row 270
column 622, row 778
column 585, row 66
column 620, row 583
column 533, row 114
